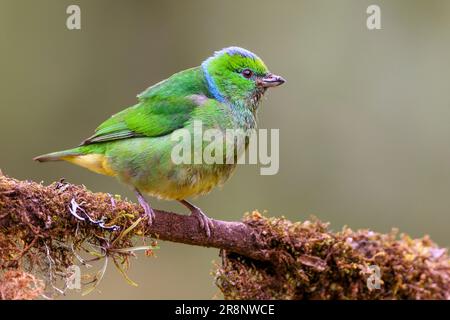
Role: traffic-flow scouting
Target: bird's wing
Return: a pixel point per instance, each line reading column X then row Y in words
column 146, row 119
column 162, row 109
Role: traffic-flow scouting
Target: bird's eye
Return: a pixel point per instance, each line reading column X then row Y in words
column 247, row 73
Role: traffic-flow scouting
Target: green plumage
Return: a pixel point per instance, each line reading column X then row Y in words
column 135, row 144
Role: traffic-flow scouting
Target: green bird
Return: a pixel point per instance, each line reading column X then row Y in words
column 135, row 145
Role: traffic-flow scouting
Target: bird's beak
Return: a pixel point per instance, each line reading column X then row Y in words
column 272, row 80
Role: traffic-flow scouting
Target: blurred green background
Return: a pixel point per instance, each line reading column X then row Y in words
column 364, row 118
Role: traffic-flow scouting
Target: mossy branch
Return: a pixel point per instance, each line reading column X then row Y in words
column 43, row 227
column 41, row 210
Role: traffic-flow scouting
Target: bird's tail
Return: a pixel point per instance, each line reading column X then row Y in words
column 87, row 157
column 59, row 155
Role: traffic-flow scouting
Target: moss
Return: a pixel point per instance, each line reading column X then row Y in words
column 314, row 263
column 38, row 235
column 41, row 234
column 19, row 285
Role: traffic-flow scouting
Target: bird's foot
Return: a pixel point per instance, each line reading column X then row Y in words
column 148, row 211
column 206, row 223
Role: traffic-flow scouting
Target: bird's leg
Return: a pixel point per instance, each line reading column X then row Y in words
column 147, row 208
column 205, row 222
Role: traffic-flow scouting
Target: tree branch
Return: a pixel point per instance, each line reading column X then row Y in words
column 37, row 201
column 43, row 227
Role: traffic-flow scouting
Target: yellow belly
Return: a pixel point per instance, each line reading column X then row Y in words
column 190, row 182
column 173, row 190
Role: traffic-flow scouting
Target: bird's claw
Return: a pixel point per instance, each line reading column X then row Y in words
column 148, row 211
column 206, row 223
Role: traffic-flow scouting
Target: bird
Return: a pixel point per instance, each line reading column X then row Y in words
column 135, row 144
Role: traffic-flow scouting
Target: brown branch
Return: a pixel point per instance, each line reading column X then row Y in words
column 37, row 201
column 263, row 258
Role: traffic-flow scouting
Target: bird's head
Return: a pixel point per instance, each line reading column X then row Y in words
column 238, row 76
